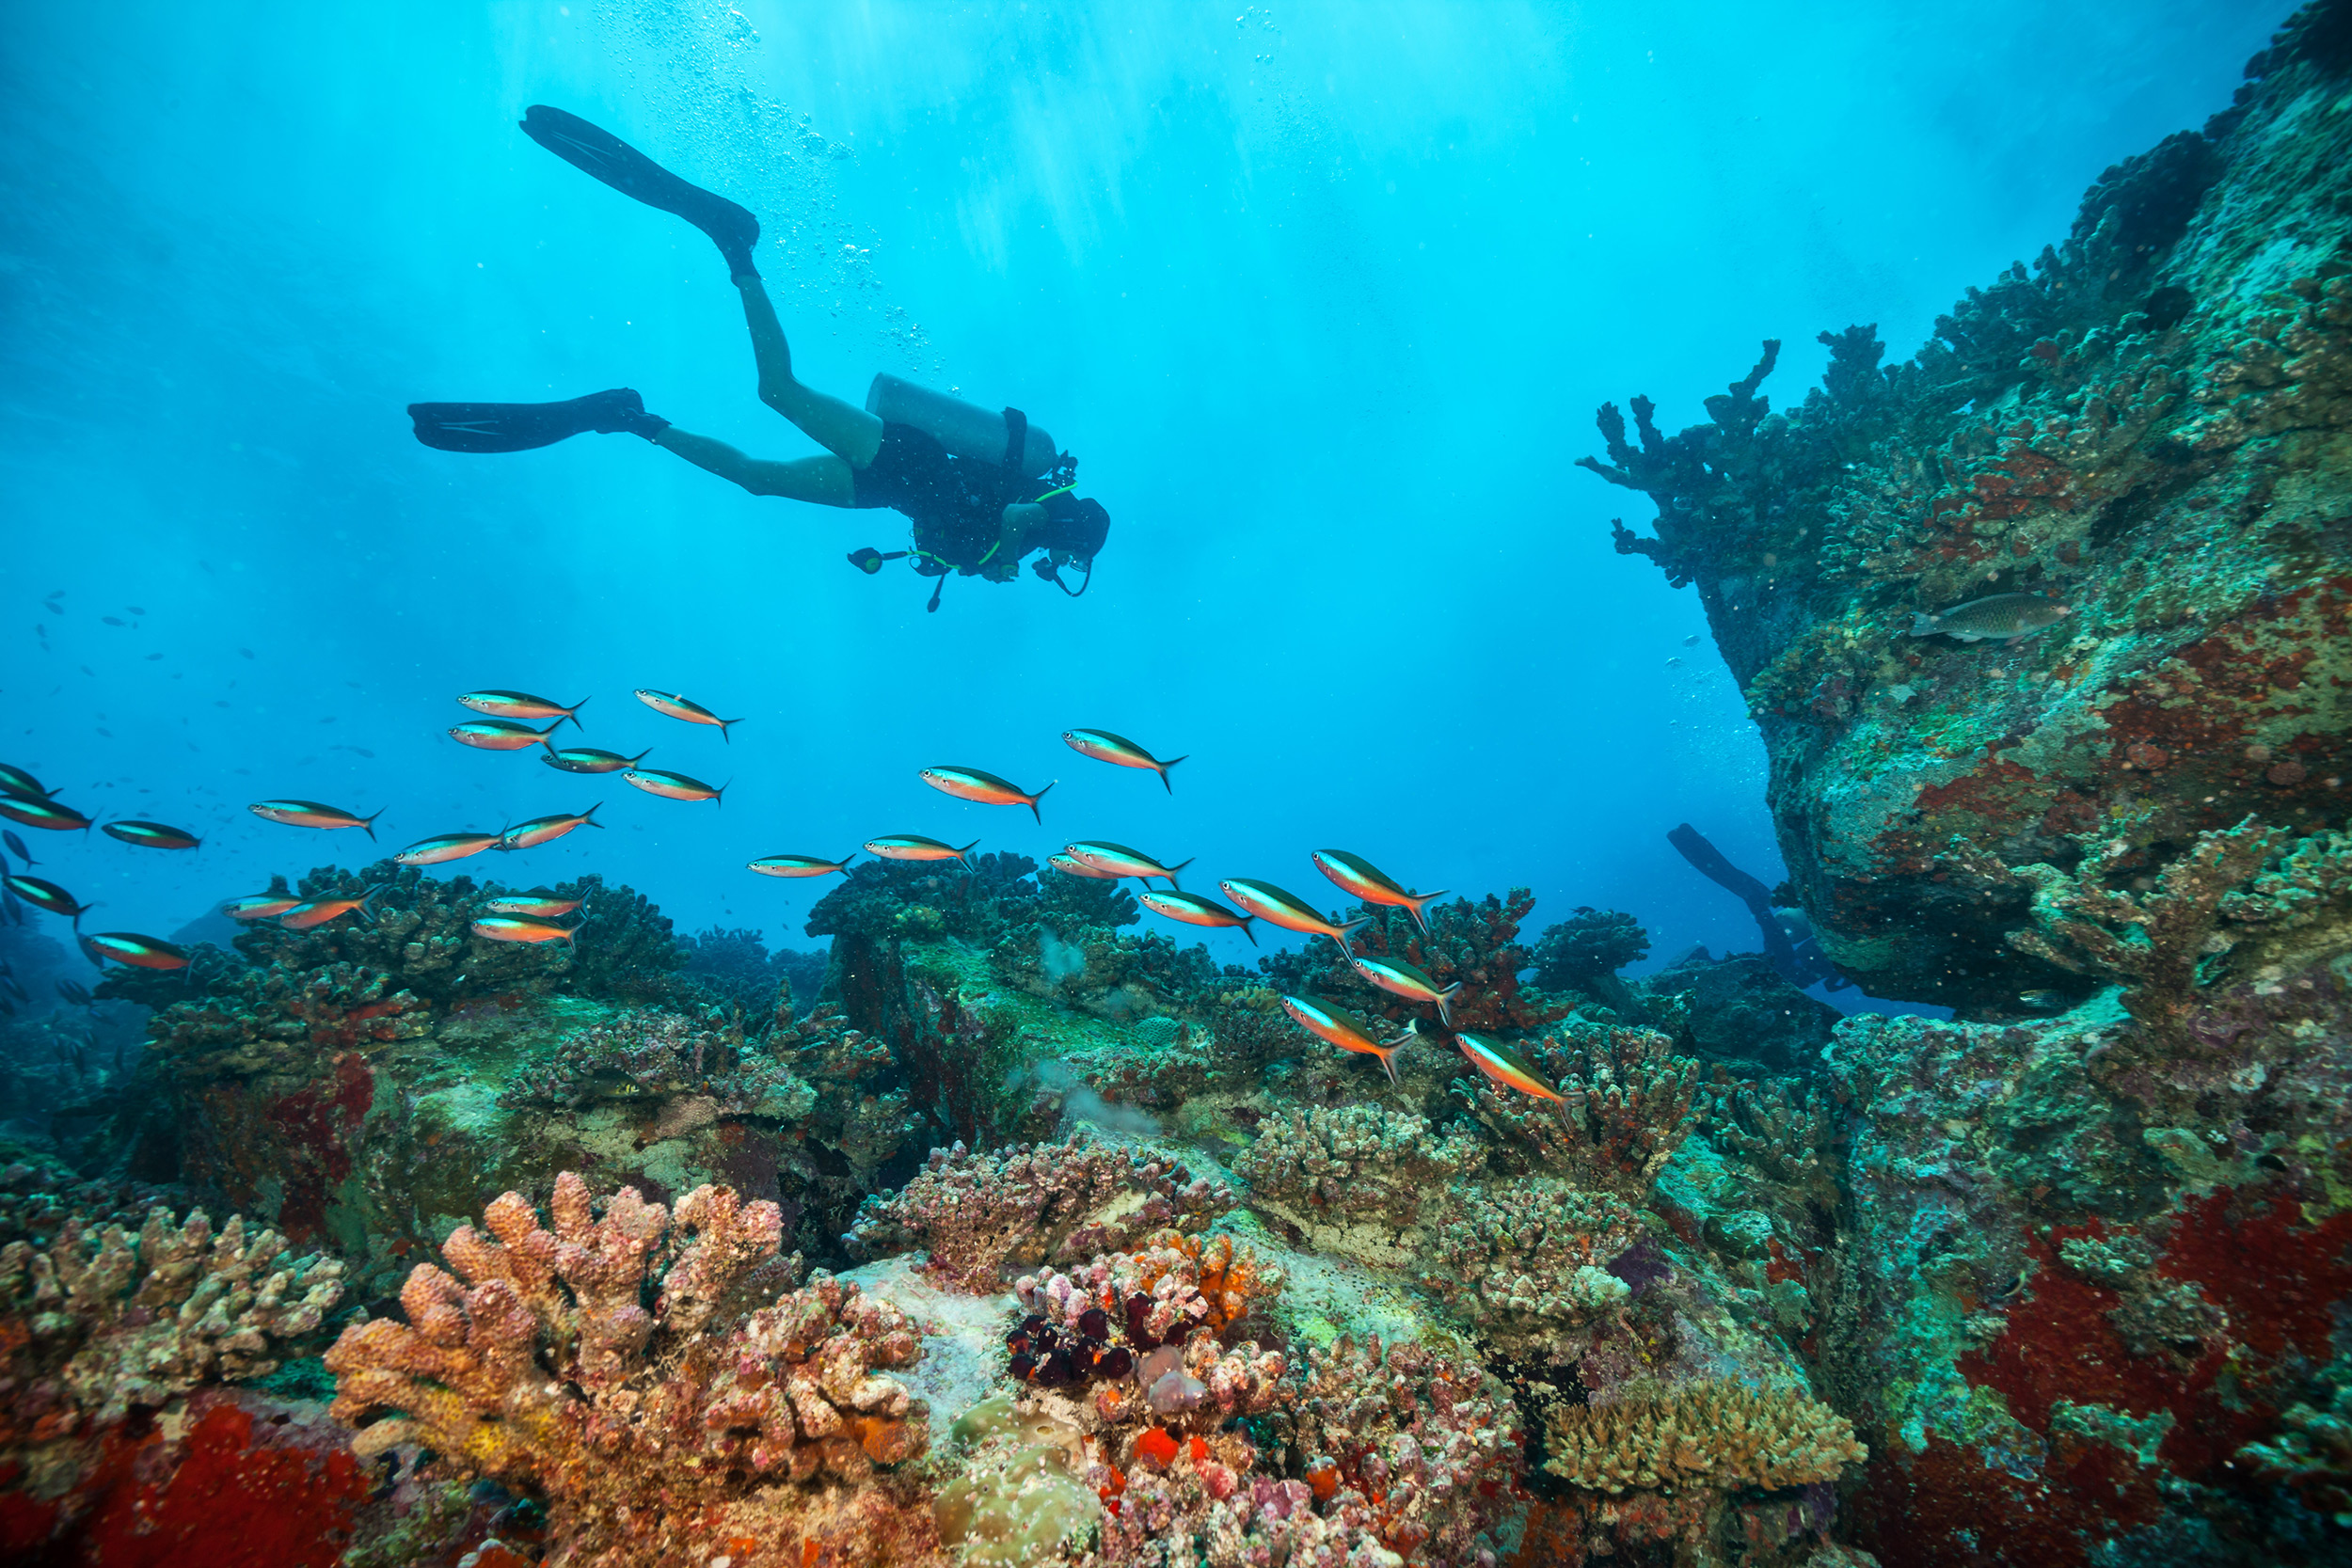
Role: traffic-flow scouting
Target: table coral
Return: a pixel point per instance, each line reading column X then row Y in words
column 1711, row 1434
column 665, row 1432
column 1051, row 1202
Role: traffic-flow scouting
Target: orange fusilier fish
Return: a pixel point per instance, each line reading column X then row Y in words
column 1330, row 1021
column 309, row 814
column 260, row 906
column 1117, row 860
column 675, row 786
column 799, row 866
column 587, row 759
column 2004, row 617
column 1370, row 884
column 512, row 928
column 42, row 812
column 152, row 836
column 972, row 783
column 539, row 830
column 1103, row 746
column 46, row 895
column 1289, row 910
column 915, row 846
column 1399, row 979
column 1071, row 866
column 129, row 947
column 1193, row 909
column 1501, row 1063
column 445, row 847
column 680, row 707
column 15, row 780
column 538, row 906
column 522, row 705
column 318, row 911
column 500, row 735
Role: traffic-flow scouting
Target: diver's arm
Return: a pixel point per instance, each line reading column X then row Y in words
column 827, row 480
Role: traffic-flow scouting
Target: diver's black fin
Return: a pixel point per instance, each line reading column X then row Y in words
column 597, row 151
column 520, row 426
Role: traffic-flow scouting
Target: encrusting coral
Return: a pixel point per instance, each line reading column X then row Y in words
column 1712, row 1435
column 654, row 1436
column 1064, row 1202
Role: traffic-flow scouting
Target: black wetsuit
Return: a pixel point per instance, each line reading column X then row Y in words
column 957, row 504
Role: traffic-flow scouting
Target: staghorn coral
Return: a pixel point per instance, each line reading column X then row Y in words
column 1051, row 1202
column 1627, row 1107
column 1785, row 1131
column 1354, row 1159
column 1530, row 1255
column 99, row 1320
column 654, row 1434
column 1711, row 1434
column 1476, row 944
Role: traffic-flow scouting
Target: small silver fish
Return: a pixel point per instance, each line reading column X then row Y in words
column 2003, row 617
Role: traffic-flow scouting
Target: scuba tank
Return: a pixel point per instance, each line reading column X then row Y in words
column 964, row 428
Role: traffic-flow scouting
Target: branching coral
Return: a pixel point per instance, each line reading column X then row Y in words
column 101, row 1320
column 1628, row 1098
column 1530, row 1255
column 1717, row 1434
column 1355, row 1160
column 655, row 1434
column 1051, row 1203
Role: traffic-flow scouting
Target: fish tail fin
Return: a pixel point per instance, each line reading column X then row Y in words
column 724, row 725
column 718, row 796
column 588, row 818
column 1179, row 866
column 1388, row 1061
column 574, row 716
column 964, row 854
column 1034, row 799
column 1922, row 626
column 1445, row 1003
column 1348, row 929
column 1420, row 916
column 1246, row 922
column 640, row 756
column 1163, row 769
column 369, row 822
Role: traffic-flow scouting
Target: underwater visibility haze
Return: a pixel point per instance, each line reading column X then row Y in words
column 1002, row 783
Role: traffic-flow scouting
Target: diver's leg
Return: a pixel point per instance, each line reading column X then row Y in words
column 827, row 480
column 848, row 431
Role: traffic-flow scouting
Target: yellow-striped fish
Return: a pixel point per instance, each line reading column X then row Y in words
column 675, row 786
column 445, row 847
column 915, row 846
column 513, row 928
column 587, row 759
column 43, row 894
column 152, row 836
column 539, row 830
column 1193, row 909
column 42, row 812
column 1103, row 746
column 129, row 947
column 15, row 780
column 522, row 705
column 1371, row 885
column 1501, row 1064
column 1119, row 861
column 1069, row 865
column 501, row 734
column 1330, row 1021
column 973, row 783
column 1289, row 910
column 1399, row 979
column 799, row 866
column 309, row 814
column 260, row 906
column 675, row 706
column 539, row 906
column 318, row 911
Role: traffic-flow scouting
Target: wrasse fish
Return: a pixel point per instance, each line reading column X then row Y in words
column 540, row 829
column 587, row 759
column 129, row 947
column 510, row 928
column 2008, row 617
column 1289, row 910
column 540, row 906
column 445, row 847
column 318, row 911
column 500, row 735
column 260, row 906
column 1399, row 979
column 1193, row 909
column 152, row 836
column 1119, row 861
column 679, row 707
column 915, row 846
column 1501, row 1064
column 1103, row 746
column 309, row 814
column 1371, row 885
column 971, row 784
column 1069, row 865
column 15, row 780
column 674, row 786
column 42, row 813
column 522, row 705
column 1327, row 1020
column 46, row 895
column 799, row 866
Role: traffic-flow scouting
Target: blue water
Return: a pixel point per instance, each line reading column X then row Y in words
column 1322, row 295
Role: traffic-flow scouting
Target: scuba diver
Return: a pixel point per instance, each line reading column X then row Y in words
column 1789, row 944
column 983, row 489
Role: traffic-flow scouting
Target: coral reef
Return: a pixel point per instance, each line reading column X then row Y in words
column 664, row 1434
column 1735, row 1012
column 1625, row 1106
column 1476, row 944
column 1716, row 1434
column 1529, row 1255
column 1354, row 1162
column 1588, row 947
